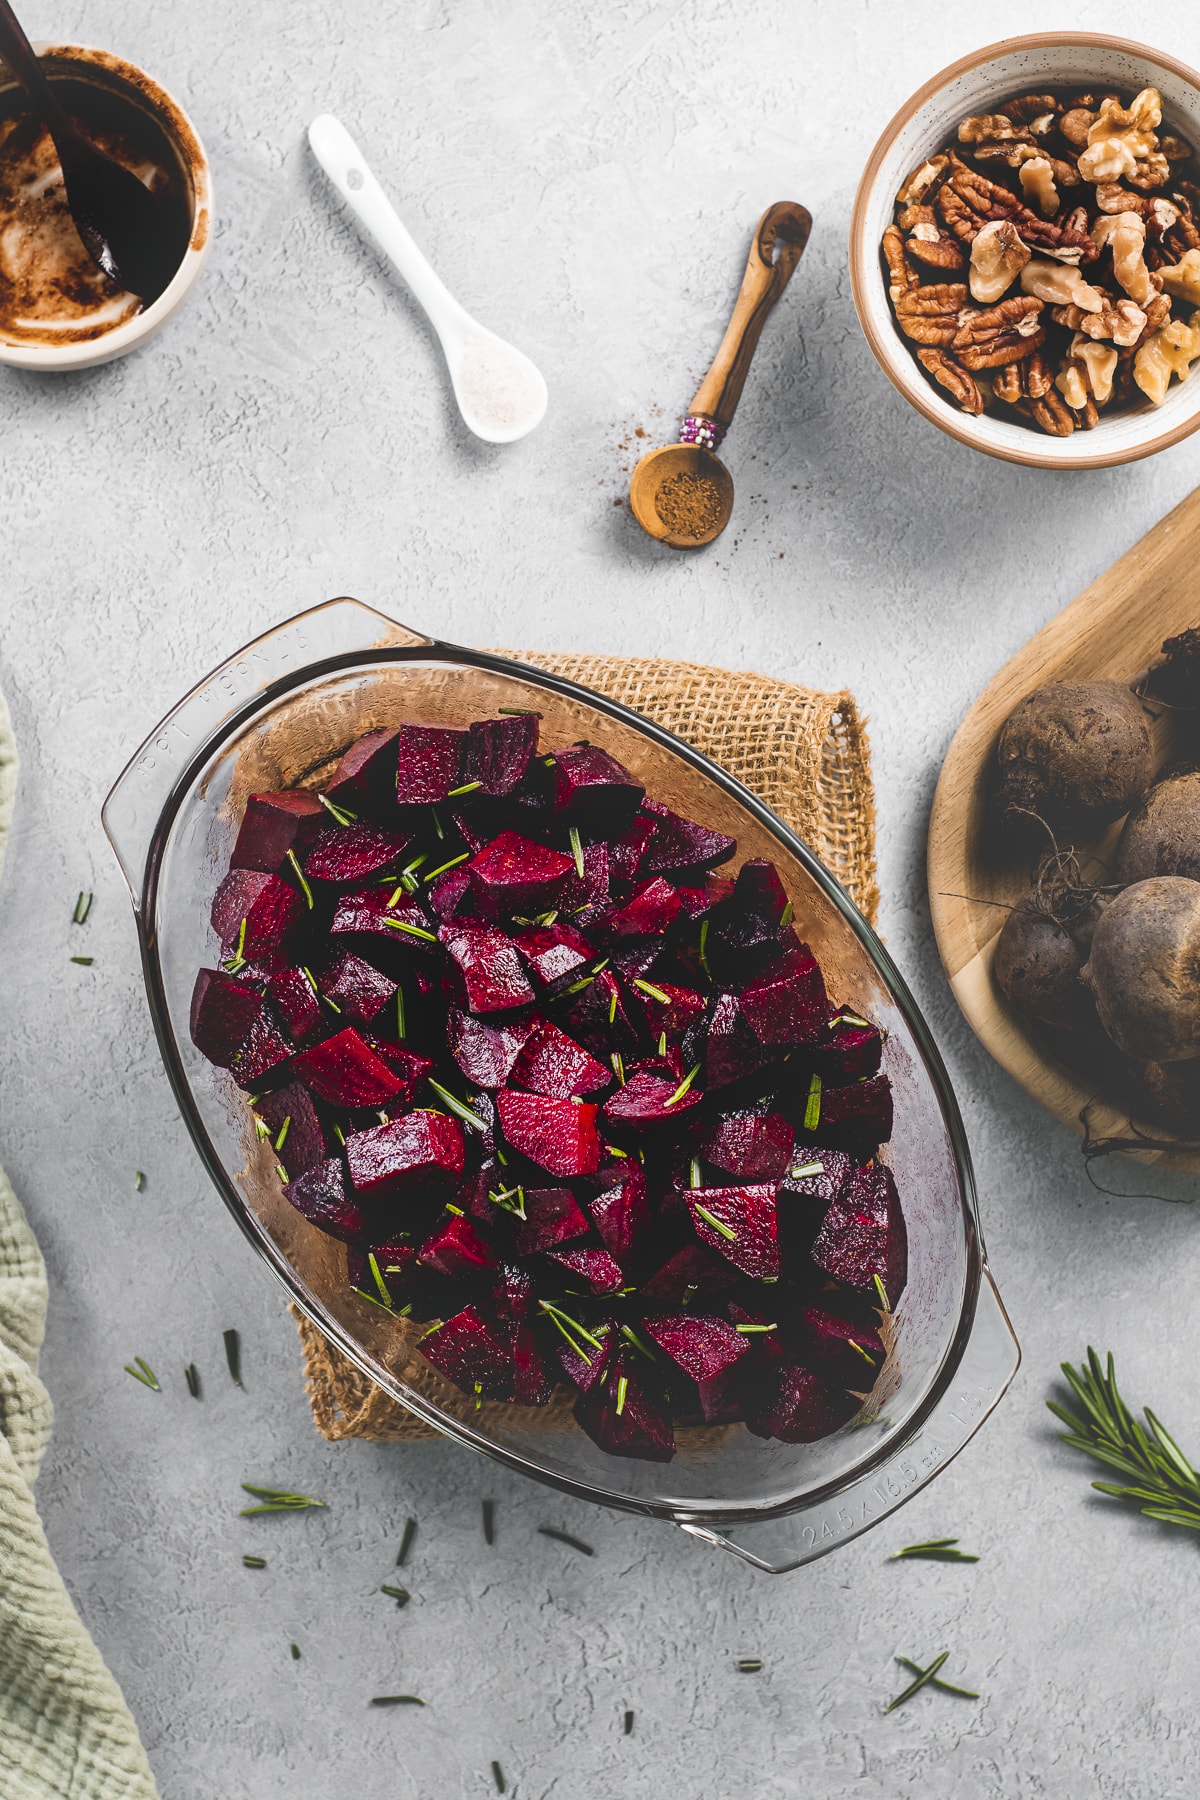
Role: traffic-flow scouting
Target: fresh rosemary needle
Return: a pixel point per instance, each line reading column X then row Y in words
column 276, row 1500
column 914, row 1687
column 192, row 1376
column 628, row 1721
column 1159, row 1478
column 406, row 1542
column 83, row 907
column 564, row 1537
column 233, row 1355
column 397, row 1700
column 488, row 1508
column 254, row 1562
column 943, row 1687
column 749, row 1665
column 498, row 1778
column 141, row 1371
column 400, row 1595
column 934, row 1550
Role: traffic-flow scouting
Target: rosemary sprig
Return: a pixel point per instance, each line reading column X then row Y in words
column 564, row 1537
column 233, row 1356
column 933, row 1550
column 83, row 907
column 276, row 1500
column 406, row 1542
column 1161, row 1481
column 914, row 1687
column 141, row 1371
column 457, row 1106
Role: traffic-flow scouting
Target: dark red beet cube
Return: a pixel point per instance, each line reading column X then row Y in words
column 223, row 1010
column 367, row 772
column 549, row 1062
column 597, row 1017
column 297, row 1138
column 751, row 1146
column 789, row 1402
column 401, row 924
column 703, row 1345
column 320, row 1196
column 651, row 909
column 852, row 1354
column 448, row 894
column 680, row 843
column 273, row 824
column 396, row 1261
column 485, row 1053
column 423, row 1151
column 620, row 1211
column 346, row 1071
column 851, row 1052
column 294, row 999
column 590, row 1266
column 858, row 1114
column 456, row 1249
column 428, row 761
column 358, row 989
column 584, row 895
column 266, row 1046
column 623, row 1414
column 741, row 1224
column 864, row 1234
column 697, row 901
column 350, row 853
column 558, row 1135
column 551, row 952
column 499, row 752
column 491, row 968
column 787, row 1003
column 627, row 848
column 269, row 906
column 513, row 874
column 582, row 1362
column 411, row 1067
column 692, row 1271
column 650, row 1103
column 731, row 1048
column 816, row 1172
column 596, row 791
column 533, row 1382
column 472, row 1353
column 677, row 1013
column 552, row 1217
column 759, row 890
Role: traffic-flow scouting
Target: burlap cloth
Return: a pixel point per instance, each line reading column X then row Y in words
column 804, row 753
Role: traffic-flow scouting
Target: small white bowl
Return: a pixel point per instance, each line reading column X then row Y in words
column 105, row 69
column 923, row 126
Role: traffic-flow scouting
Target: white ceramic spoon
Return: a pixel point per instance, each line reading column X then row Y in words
column 500, row 393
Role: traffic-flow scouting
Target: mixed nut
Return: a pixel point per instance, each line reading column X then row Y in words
column 1035, row 263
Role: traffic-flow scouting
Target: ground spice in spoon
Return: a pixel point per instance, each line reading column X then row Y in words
column 688, row 505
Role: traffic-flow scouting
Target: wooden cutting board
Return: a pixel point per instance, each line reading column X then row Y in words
column 1114, row 631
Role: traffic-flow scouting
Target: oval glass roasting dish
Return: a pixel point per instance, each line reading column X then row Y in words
column 280, row 713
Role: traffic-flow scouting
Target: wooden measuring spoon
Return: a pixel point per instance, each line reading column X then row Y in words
column 779, row 240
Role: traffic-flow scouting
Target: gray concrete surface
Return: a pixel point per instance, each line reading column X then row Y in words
column 586, row 178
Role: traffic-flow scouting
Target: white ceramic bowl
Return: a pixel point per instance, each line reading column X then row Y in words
column 102, row 67
column 930, row 120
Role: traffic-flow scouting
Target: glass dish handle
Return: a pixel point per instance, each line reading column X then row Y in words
column 988, row 1364
column 335, row 628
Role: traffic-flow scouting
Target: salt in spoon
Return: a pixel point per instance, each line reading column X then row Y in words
column 500, row 393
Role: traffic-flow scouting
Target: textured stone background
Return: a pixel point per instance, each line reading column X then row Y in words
column 586, row 177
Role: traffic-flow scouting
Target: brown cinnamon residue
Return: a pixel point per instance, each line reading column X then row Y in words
column 689, row 505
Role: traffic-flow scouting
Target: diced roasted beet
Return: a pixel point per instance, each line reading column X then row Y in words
column 787, row 1003
column 409, row 1065
column 590, row 1266
column 633, row 958
column 851, row 1353
column 696, row 902
column 371, row 912
column 513, row 874
column 703, row 1345
column 350, row 853
column 816, row 1172
column 651, row 909
column 294, row 998
column 455, row 1249
column 741, row 1224
column 669, row 1008
column 552, row 1217
column 513, row 1295
column 533, row 1381
column 273, row 824
column 692, row 1271
column 650, row 1103
column 428, row 760
column 449, row 891
column 620, row 1211
column 485, row 1053
column 789, row 1402
column 624, row 1415
column 731, row 1048
column 627, row 848
column 759, row 890
column 320, row 1196
column 472, row 1195
column 499, row 751
column 266, row 1046
column 491, row 968
column 585, row 896
column 598, row 1018
column 680, row 843
column 751, row 1146
column 859, row 1114
column 551, row 952
column 583, row 1361
column 849, row 1053
column 549, row 1062
column 346, row 1071
column 738, row 946
column 223, row 1010
column 367, row 772
column 396, row 1260
column 766, row 1345
column 421, row 1151
column 864, row 1234
column 356, row 988
column 270, row 908
column 597, row 792
column 471, row 1352
column 558, row 1135
column 294, row 1128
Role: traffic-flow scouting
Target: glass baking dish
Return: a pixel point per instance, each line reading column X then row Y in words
column 280, row 712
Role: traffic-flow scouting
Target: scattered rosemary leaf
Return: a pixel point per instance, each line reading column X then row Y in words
column 295, row 1652
column 749, row 1665
column 1108, row 1431
column 139, row 1181
column 86, row 961
column 144, row 1373
column 812, row 1109
column 914, row 1687
column 83, row 907
column 704, row 948
column 254, row 1562
column 406, row 1542
column 683, row 1087
column 417, row 931
column 787, row 915
column 457, row 1106
column 749, row 1328
column 396, row 1700
column 884, row 1302
column 299, row 872
column 233, row 1356
column 489, row 1521
column 576, row 850
column 498, row 1778
column 276, row 1500
column 340, row 813
column 283, row 1131
column 441, row 870
column 718, row 1225
column 400, row 1595
column 468, row 787
column 622, row 1388
column 935, row 1550
column 655, row 993
column 192, row 1376
column 520, row 712
column 564, row 1537
column 808, row 1168
column 628, row 1721
column 943, row 1687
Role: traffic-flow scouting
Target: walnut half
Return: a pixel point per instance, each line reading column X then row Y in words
column 1120, row 139
column 1125, row 235
column 997, row 257
column 1171, row 351
column 1183, row 278
column 1060, row 284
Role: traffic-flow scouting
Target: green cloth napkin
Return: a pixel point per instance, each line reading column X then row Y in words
column 65, row 1731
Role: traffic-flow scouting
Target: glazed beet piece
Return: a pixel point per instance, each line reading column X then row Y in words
column 851, row 1052
column 409, row 1065
column 269, row 906
column 590, row 1267
column 739, row 946
column 294, row 999
column 789, row 1402
column 759, row 891
column 473, row 1193
column 697, row 902
column 703, row 1345
column 320, row 1196
column 346, row 1071
column 273, row 824
column 549, row 1062
column 731, row 1049
column 787, row 1003
column 741, row 1224
column 633, row 958
column 552, row 1217
column 456, row 1249
column 624, row 1415
column 583, row 1357
column 626, row 850
column 449, row 892
column 651, row 909
column 670, row 1008
column 366, row 773
column 421, row 1152
column 864, row 1234
column 585, row 896
column 358, row 989
column 513, row 874
column 857, row 1115
column 491, row 968
column 428, row 760
column 499, row 752
column 266, row 1047
column 559, row 1135
column 348, row 853
column 650, row 1103
column 598, row 1018
column 620, row 1211
column 692, row 1271
column 551, row 952
column 223, row 1010
column 845, row 1351
column 816, row 1172
column 471, row 1352
column 485, row 1053
column 297, row 1138
column 594, row 790
column 751, row 1146
column 396, row 1261
column 513, row 1295
column 680, row 843
column 533, row 1381
column 399, row 930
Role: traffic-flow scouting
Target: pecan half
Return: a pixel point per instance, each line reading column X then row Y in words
column 1031, row 109
column 930, row 315
column 988, row 201
column 1028, row 379
column 999, row 335
column 1051, row 413
column 954, row 378
column 928, row 242
column 903, row 275
column 921, row 183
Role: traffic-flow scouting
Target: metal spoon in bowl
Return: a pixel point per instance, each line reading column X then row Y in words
column 125, row 227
